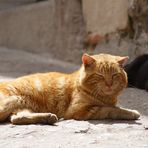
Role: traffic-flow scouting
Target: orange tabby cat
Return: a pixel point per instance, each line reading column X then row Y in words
column 89, row 93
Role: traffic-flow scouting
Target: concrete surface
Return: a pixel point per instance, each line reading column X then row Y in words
column 16, row 63
column 71, row 133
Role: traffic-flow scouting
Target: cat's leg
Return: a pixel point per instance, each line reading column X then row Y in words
column 7, row 105
column 113, row 113
column 95, row 113
column 28, row 117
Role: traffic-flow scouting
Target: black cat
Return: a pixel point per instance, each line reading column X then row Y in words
column 137, row 72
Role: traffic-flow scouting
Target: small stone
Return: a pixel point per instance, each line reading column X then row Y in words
column 146, row 127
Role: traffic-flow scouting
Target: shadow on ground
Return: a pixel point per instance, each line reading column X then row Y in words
column 16, row 63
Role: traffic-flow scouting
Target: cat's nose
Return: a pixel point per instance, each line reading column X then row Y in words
column 109, row 84
column 108, row 88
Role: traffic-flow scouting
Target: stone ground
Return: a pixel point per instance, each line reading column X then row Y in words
column 71, row 133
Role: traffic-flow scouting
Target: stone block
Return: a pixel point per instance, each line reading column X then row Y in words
column 105, row 16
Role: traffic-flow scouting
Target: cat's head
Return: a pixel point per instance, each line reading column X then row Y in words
column 103, row 74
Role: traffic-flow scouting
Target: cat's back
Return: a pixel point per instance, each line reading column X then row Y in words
column 43, row 80
column 38, row 83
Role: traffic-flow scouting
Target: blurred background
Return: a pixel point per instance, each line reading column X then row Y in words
column 51, row 35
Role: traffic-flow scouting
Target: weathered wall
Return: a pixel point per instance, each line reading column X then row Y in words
column 105, row 17
column 8, row 4
column 54, row 26
column 129, row 39
column 60, row 27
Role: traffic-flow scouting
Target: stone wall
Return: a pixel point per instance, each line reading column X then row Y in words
column 64, row 28
column 123, row 25
column 105, row 17
column 55, row 26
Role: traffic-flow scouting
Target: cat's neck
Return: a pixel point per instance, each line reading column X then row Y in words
column 102, row 100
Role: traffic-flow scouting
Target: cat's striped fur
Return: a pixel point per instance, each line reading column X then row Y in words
column 89, row 93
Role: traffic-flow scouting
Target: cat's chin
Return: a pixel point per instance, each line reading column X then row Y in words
column 109, row 92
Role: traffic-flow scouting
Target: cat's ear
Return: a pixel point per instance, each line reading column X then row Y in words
column 122, row 60
column 88, row 61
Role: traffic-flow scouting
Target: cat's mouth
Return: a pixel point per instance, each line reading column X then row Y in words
column 108, row 90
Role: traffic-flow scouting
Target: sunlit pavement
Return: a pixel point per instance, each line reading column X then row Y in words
column 71, row 133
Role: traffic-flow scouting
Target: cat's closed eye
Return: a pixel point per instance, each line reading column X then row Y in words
column 115, row 75
column 101, row 76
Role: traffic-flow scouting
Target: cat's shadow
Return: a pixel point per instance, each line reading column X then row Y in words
column 111, row 122
column 95, row 122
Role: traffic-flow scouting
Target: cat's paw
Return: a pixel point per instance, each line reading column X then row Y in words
column 51, row 118
column 134, row 114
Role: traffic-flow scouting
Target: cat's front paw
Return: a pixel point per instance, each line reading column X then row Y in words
column 51, row 118
column 134, row 114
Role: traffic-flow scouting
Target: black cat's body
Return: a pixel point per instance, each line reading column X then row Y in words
column 137, row 72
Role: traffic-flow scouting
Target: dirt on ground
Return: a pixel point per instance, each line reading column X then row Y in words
column 71, row 133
